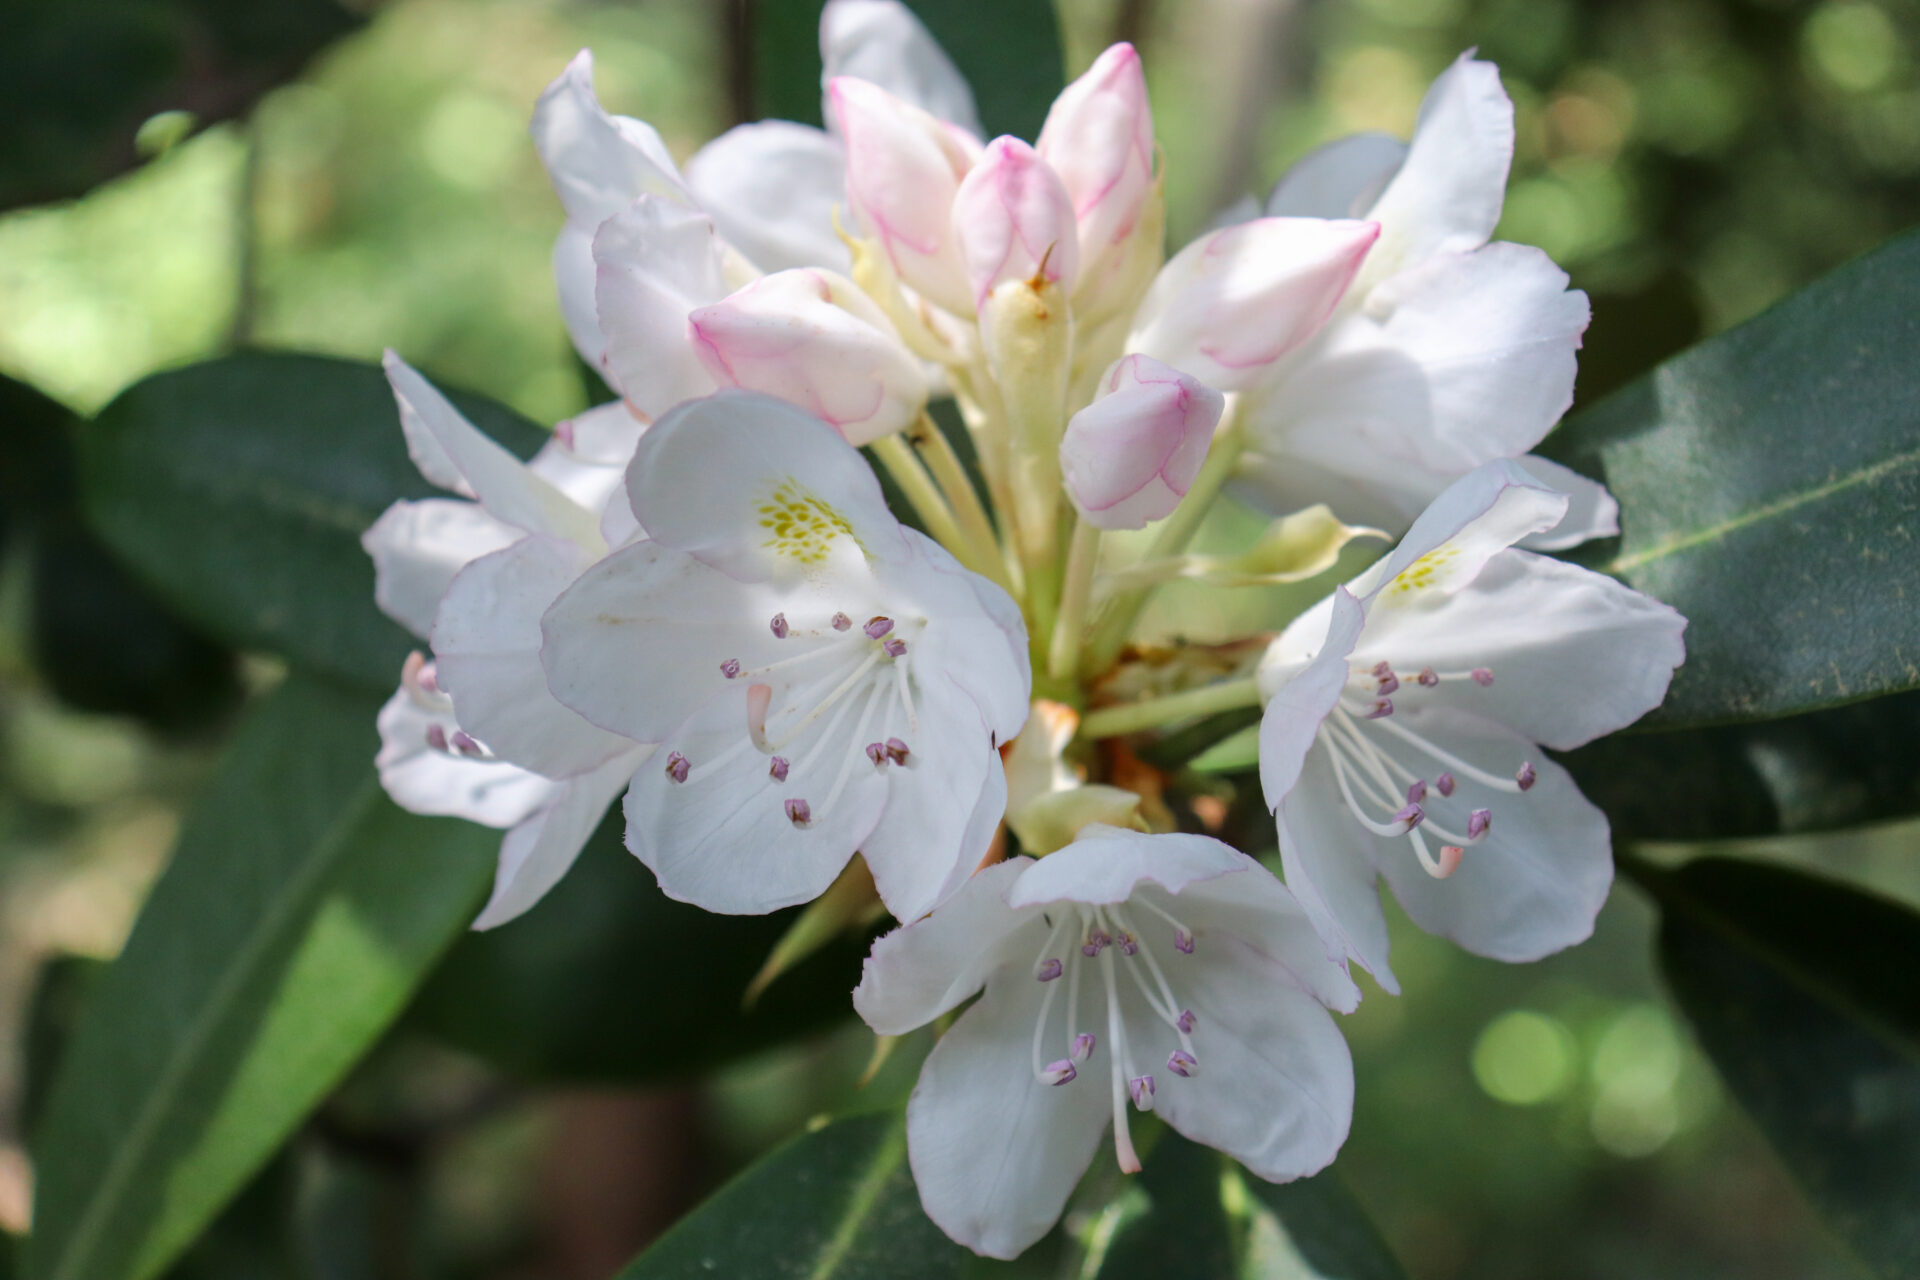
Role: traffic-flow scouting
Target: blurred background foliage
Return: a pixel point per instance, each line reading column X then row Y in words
column 1688, row 161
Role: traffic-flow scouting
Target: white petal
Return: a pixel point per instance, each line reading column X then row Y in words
column 995, row 1152
column 1106, row 863
column 598, row 163
column 1014, row 220
column 772, row 188
column 722, row 839
column 1459, row 361
column 921, row 849
column 537, row 852
column 1339, row 180
column 655, row 261
column 1327, row 859
column 979, row 640
column 486, row 642
column 1131, row 455
column 1446, row 198
column 1234, row 301
column 635, row 644
column 424, row 780
column 1301, row 676
column 881, row 41
column 618, row 524
column 704, row 475
column 603, row 436
column 1479, row 515
column 1275, row 1083
column 1098, row 137
column 447, row 447
column 1535, row 884
column 925, row 968
column 417, row 547
column 1574, row 654
column 1591, row 511
column 1271, row 929
column 573, row 278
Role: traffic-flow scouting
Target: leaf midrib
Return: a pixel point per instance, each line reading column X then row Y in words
column 882, row 1165
column 130, row 1154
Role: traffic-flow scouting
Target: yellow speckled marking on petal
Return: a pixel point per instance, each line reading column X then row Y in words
column 801, row 525
column 1428, row 571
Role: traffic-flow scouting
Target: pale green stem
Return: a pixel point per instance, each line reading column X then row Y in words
column 901, row 463
column 951, row 475
column 1119, row 614
column 1151, row 713
column 1069, row 629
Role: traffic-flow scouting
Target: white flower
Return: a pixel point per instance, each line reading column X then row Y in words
column 1130, row 456
column 820, row 679
column 477, row 574
column 1169, row 970
column 1447, row 351
column 1404, row 715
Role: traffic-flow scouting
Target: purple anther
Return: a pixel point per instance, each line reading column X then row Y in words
column 730, row 668
column 777, row 768
column 1183, row 942
column 1382, row 708
column 1411, row 816
column 896, row 751
column 1416, row 791
column 426, row 678
column 798, row 813
column 841, row 622
column 1389, row 685
column 466, row 744
column 1525, row 776
column 1141, row 1087
column 1477, row 823
column 877, row 627
column 1096, row 940
column 894, row 646
column 779, row 626
column 877, row 752
column 1083, row 1046
column 1444, row 784
column 1428, row 677
column 1382, row 669
column 437, row 737
column 1482, row 677
column 1049, row 970
column 1185, row 1021
column 563, row 432
column 1126, row 943
column 1059, row 1073
column 1182, row 1063
column 677, row 766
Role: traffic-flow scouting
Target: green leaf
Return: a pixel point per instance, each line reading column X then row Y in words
column 1318, row 1231
column 1801, row 990
column 835, row 1204
column 1009, row 51
column 299, row 912
column 238, row 490
column 1768, row 481
column 60, row 992
column 1170, row 1221
column 76, row 81
column 1821, row 771
column 602, row 935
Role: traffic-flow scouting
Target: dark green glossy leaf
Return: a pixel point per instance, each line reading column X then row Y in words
column 60, row 991
column 1817, row 772
column 77, row 80
column 652, row 987
column 238, row 490
column 1323, row 1233
column 1170, row 1221
column 835, row 1204
column 300, row 910
column 1801, row 990
column 1769, row 480
column 1009, row 51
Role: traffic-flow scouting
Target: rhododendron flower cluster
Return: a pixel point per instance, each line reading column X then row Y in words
column 698, row 595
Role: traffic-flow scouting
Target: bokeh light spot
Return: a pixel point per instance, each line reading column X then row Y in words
column 1852, row 44
column 1524, row 1058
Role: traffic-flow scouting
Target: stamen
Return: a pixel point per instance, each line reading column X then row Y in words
column 896, row 751
column 466, row 744
column 777, row 768
column 1413, row 815
column 1182, row 1063
column 894, row 646
column 1127, row 944
column 427, row 678
column 877, row 752
column 906, row 696
column 798, row 813
column 1450, row 760
column 841, row 622
column 1141, row 1087
column 1182, row 936
column 1444, row 784
column 1477, row 823
column 1166, row 1005
column 437, row 737
column 1058, row 1073
column 1183, row 942
column 1185, row 1021
column 677, row 766
column 1525, row 776
column 1122, row 1138
column 1389, row 682
column 779, row 626
column 1450, row 856
column 826, row 703
column 1050, row 968
column 730, row 668
column 1097, row 940
column 877, row 627
column 1416, row 791
column 1083, row 1046
column 1482, row 677
column 1382, row 708
column 1428, row 677
column 1402, row 821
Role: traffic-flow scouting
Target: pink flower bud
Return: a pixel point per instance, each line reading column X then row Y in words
column 903, row 168
column 1234, row 301
column 1099, row 139
column 1013, row 220
column 1131, row 455
column 814, row 340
